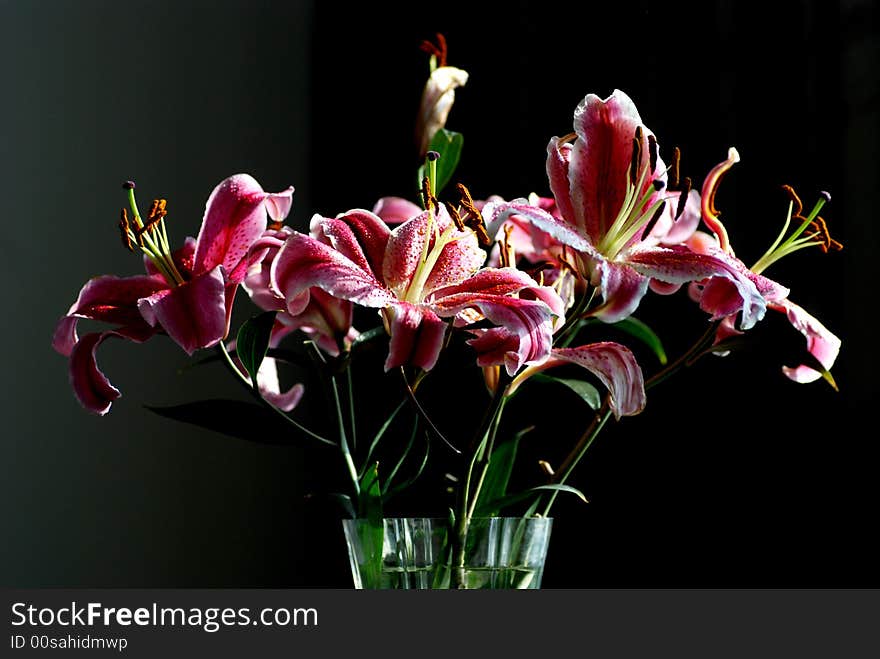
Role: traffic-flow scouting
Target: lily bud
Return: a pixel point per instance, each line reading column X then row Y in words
column 437, row 99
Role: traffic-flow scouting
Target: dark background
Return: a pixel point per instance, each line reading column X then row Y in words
column 733, row 476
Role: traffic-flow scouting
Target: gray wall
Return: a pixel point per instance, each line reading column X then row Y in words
column 177, row 96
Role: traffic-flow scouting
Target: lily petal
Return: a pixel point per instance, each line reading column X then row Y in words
column 90, row 386
column 358, row 234
column 303, row 262
column 558, row 162
column 622, row 289
column 678, row 265
column 235, row 218
column 821, row 342
column 558, row 228
column 614, row 365
column 395, row 210
column 270, row 387
column 416, row 336
column 193, row 314
column 600, row 160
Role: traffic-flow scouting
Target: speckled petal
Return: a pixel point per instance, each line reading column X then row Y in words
column 821, row 342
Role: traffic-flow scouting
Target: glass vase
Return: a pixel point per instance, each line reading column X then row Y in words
column 418, row 553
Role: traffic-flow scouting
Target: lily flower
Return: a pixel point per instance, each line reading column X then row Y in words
column 186, row 294
column 425, row 270
column 719, row 298
column 623, row 213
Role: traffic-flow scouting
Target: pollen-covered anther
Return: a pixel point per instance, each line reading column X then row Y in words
column 674, row 168
column 793, row 196
column 683, row 197
column 125, row 231
column 429, row 201
column 474, row 219
column 439, row 50
column 455, row 215
column 157, row 212
column 824, row 235
column 546, row 468
column 652, row 152
column 506, row 253
column 636, row 161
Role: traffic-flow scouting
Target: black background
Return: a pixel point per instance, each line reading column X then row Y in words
column 733, row 476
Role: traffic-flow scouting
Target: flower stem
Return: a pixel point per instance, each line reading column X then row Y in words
column 343, row 439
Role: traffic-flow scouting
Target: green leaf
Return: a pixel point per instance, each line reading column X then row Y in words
column 521, row 496
column 636, row 328
column 253, row 342
column 234, row 418
column 370, row 499
column 448, row 144
column 587, row 392
column 369, row 335
column 498, row 473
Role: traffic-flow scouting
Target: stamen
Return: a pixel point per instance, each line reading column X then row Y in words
column 649, row 227
column 455, row 215
column 798, row 205
column 439, row 51
column 428, row 199
column 125, row 231
column 545, row 467
column 652, row 152
column 824, row 235
column 636, row 161
column 658, row 184
column 566, row 138
column 475, row 220
column 674, row 168
column 157, row 212
column 683, row 197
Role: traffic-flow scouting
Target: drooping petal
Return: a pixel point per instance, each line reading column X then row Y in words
column 396, row 210
column 193, row 314
column 821, row 342
column 258, row 282
column 358, row 234
column 109, row 299
column 530, row 321
column 90, row 386
column 622, row 288
column 614, row 365
column 416, row 336
column 325, row 319
column 600, row 161
column 270, row 387
column 303, row 262
column 235, row 218
column 679, row 265
column 670, row 231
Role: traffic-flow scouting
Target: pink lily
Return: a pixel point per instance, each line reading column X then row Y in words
column 424, row 270
column 618, row 215
column 187, row 294
column 718, row 297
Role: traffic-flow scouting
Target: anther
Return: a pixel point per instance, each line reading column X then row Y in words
column 439, row 51
column 566, row 138
column 652, row 152
column 455, row 215
column 658, row 184
column 427, row 197
column 649, row 227
column 545, row 467
column 798, row 205
column 125, row 231
column 683, row 197
column 636, row 156
column 824, row 235
column 673, row 168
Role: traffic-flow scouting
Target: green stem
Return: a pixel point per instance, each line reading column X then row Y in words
column 255, row 392
column 343, row 439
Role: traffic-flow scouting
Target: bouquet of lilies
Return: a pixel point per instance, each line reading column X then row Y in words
column 514, row 282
